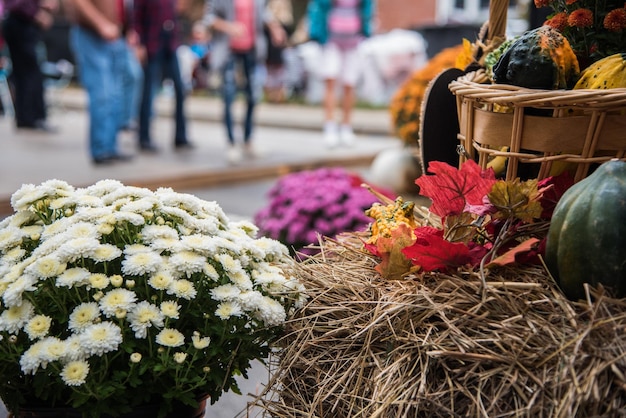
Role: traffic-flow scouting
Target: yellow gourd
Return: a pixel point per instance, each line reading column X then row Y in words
column 607, row 73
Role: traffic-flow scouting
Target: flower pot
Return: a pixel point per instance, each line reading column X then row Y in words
column 145, row 411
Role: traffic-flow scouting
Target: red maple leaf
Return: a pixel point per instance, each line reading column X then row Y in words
column 432, row 252
column 451, row 189
column 552, row 188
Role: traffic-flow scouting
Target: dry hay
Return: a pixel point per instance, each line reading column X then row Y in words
column 444, row 346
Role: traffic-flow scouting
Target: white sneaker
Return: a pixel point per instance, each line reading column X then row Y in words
column 346, row 135
column 251, row 152
column 331, row 135
column 234, row 154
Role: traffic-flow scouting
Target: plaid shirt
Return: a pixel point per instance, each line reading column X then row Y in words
column 151, row 18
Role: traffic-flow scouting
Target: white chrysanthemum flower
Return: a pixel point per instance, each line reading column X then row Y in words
column 180, row 357
column 10, row 237
column 136, row 249
column 38, row 326
column 170, row 337
column 33, row 231
column 182, row 289
column 53, row 349
column 74, row 351
column 78, row 248
column 103, row 188
column 141, row 263
column 198, row 242
column 83, row 316
column 210, row 272
column 229, row 263
column 99, row 281
column 225, row 292
column 116, row 299
column 57, row 227
column 46, row 267
column 32, row 358
column 135, row 357
column 143, row 316
column 83, row 230
column 200, row 343
column 161, row 280
column 129, row 193
column 187, row 262
column 268, row 276
column 86, row 203
column 272, row 249
column 188, row 202
column 130, row 217
column 166, row 244
column 225, row 310
column 153, row 232
column 75, row 372
column 245, row 226
column 271, row 312
column 116, row 280
column 12, row 295
column 76, row 276
column 105, row 252
column 183, row 215
column 144, row 204
column 250, row 301
column 26, row 195
column 14, row 318
column 170, row 309
column 19, row 219
column 241, row 280
column 13, row 255
column 224, row 244
column 101, row 338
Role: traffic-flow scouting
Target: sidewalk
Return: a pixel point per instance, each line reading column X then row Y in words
column 288, row 136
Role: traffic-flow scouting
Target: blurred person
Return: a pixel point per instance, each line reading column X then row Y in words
column 100, row 52
column 238, row 39
column 275, row 82
column 193, row 58
column 340, row 26
column 158, row 27
column 23, row 28
column 132, row 78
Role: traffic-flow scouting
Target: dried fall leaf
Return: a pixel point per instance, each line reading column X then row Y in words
column 451, row 189
column 516, row 199
column 512, row 256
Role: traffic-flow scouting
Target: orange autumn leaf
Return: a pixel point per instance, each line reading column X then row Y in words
column 510, row 257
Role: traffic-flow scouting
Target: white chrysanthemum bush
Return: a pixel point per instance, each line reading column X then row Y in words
column 114, row 296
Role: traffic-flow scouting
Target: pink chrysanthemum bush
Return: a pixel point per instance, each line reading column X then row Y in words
column 113, row 297
column 307, row 205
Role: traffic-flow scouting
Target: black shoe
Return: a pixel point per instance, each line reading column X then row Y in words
column 184, row 146
column 111, row 159
column 149, row 148
column 39, row 125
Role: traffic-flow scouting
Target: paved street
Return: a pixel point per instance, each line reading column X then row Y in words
column 288, row 137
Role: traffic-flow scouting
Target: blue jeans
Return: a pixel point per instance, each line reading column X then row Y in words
column 100, row 64
column 162, row 64
column 229, row 91
column 132, row 82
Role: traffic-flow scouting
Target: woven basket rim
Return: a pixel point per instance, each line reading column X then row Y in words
column 506, row 94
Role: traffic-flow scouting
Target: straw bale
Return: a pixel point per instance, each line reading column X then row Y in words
column 442, row 345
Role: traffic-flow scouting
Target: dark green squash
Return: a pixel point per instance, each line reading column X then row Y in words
column 587, row 236
column 541, row 58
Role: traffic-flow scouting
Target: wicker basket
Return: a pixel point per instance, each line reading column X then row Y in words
column 580, row 127
column 543, row 126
